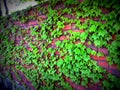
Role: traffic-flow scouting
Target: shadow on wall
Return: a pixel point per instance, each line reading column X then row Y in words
column 3, row 2
column 9, row 6
column 6, row 84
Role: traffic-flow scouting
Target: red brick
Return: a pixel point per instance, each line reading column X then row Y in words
column 57, row 52
column 67, row 27
column 113, row 66
column 98, row 57
column 105, row 11
column 81, row 0
column 56, row 39
column 103, row 64
column 63, row 38
column 53, row 43
column 80, row 31
column 103, row 21
column 113, row 37
column 82, row 20
column 77, row 42
column 109, row 42
column 63, row 57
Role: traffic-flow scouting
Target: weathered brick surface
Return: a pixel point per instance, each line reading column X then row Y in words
column 98, row 57
column 105, row 11
column 103, row 64
column 92, row 88
column 82, row 20
column 80, row 31
column 113, row 66
column 43, row 16
column 67, row 15
column 92, row 47
column 63, row 38
column 115, row 72
column 33, row 23
column 67, row 27
column 73, row 26
column 113, row 69
column 103, row 50
column 113, row 37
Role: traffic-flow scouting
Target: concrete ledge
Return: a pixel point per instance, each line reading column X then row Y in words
column 16, row 5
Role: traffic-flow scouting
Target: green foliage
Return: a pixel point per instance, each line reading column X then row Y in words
column 74, row 60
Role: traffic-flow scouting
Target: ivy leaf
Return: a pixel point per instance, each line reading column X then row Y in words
column 102, row 33
column 60, row 62
column 58, row 43
column 105, row 83
column 98, row 43
column 83, row 36
column 60, row 24
column 44, row 37
column 84, row 83
column 77, row 51
column 117, row 26
column 87, row 58
column 93, row 28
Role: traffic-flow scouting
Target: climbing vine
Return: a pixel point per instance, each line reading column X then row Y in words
column 50, row 52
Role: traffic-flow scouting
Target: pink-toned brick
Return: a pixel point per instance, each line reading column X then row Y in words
column 43, row 16
column 103, row 64
column 33, row 23
column 63, row 38
column 53, row 43
column 67, row 27
column 98, row 57
column 103, row 21
column 77, row 42
column 82, row 20
column 57, row 52
column 67, row 15
column 29, row 48
column 80, row 31
column 103, row 50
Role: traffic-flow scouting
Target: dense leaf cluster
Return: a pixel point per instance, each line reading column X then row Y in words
column 74, row 59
